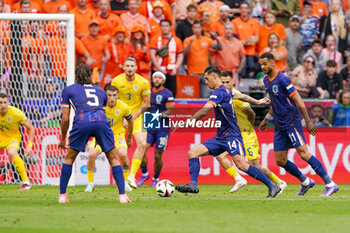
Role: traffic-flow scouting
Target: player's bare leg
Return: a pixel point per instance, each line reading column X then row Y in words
column 158, row 165
column 194, row 167
column 66, row 172
column 275, row 179
column 140, row 139
column 231, row 171
column 20, row 167
column 317, row 166
column 118, row 176
column 254, row 172
column 290, row 167
column 93, row 153
column 145, row 175
column 123, row 154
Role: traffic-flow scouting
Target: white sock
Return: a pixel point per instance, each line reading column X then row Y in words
column 330, row 184
column 145, row 174
column 239, row 178
column 306, row 182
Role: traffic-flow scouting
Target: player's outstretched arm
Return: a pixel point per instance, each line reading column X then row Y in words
column 64, row 127
column 169, row 109
column 130, row 127
column 300, row 103
column 31, row 131
column 264, row 122
column 146, row 104
column 247, row 98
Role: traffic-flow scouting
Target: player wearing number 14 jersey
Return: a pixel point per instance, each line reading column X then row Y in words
column 89, row 103
column 134, row 90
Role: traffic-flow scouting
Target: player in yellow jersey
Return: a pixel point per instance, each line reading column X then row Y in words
column 116, row 112
column 135, row 91
column 245, row 120
column 10, row 137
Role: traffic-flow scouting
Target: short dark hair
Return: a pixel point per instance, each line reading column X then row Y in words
column 331, row 63
column 317, row 41
column 191, row 6
column 307, row 3
column 110, row 87
column 269, row 56
column 227, row 73
column 130, row 58
column 244, row 3
column 317, row 105
column 342, row 93
column 197, row 22
column 213, row 69
column 3, row 95
column 165, row 20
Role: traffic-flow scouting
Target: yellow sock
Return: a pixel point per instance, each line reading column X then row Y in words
column 274, row 178
column 90, row 175
column 18, row 162
column 135, row 165
column 126, row 174
column 232, row 172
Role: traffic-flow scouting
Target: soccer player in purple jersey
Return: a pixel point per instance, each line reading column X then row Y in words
column 89, row 103
column 227, row 138
column 285, row 102
column 162, row 102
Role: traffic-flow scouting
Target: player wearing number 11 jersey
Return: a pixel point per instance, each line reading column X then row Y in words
column 89, row 103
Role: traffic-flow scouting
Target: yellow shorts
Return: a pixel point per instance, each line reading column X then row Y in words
column 10, row 143
column 119, row 141
column 138, row 125
column 251, row 144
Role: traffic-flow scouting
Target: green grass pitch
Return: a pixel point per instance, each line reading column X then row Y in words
column 212, row 210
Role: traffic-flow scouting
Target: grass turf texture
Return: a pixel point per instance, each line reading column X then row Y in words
column 212, row 210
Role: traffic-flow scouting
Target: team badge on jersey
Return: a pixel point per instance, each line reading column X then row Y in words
column 136, row 87
column 159, row 99
column 117, row 112
column 9, row 119
column 275, row 89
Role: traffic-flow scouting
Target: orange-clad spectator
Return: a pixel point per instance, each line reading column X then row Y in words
column 4, row 8
column 82, row 16
column 146, row 9
column 232, row 55
column 96, row 45
column 218, row 26
column 319, row 8
column 53, row 5
column 141, row 49
column 181, row 8
column 22, row 7
column 158, row 9
column 119, row 50
column 269, row 27
column 208, row 12
column 107, row 21
column 26, row 6
column 247, row 30
column 57, row 50
column 51, row 27
column 278, row 51
column 94, row 5
column 196, row 48
column 132, row 17
column 167, row 54
column 346, row 5
column 119, row 6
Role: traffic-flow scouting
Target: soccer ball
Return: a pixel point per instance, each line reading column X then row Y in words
column 165, row 188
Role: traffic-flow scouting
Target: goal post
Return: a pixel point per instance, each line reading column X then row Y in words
column 37, row 53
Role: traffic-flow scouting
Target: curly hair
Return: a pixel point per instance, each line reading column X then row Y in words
column 83, row 74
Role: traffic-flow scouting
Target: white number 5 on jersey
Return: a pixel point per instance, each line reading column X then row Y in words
column 90, row 93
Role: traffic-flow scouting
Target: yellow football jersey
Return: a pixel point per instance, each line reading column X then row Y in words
column 242, row 118
column 132, row 93
column 117, row 114
column 9, row 124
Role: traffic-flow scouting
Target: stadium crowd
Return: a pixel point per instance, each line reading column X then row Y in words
column 309, row 40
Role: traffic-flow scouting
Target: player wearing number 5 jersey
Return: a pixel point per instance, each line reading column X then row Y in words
column 89, row 103
column 286, row 101
column 134, row 90
column 228, row 137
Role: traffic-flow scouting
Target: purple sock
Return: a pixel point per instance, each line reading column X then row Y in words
column 194, row 167
column 118, row 176
column 319, row 169
column 143, row 169
column 257, row 174
column 294, row 170
column 66, row 172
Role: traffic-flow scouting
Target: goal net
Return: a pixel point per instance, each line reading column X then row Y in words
column 37, row 62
